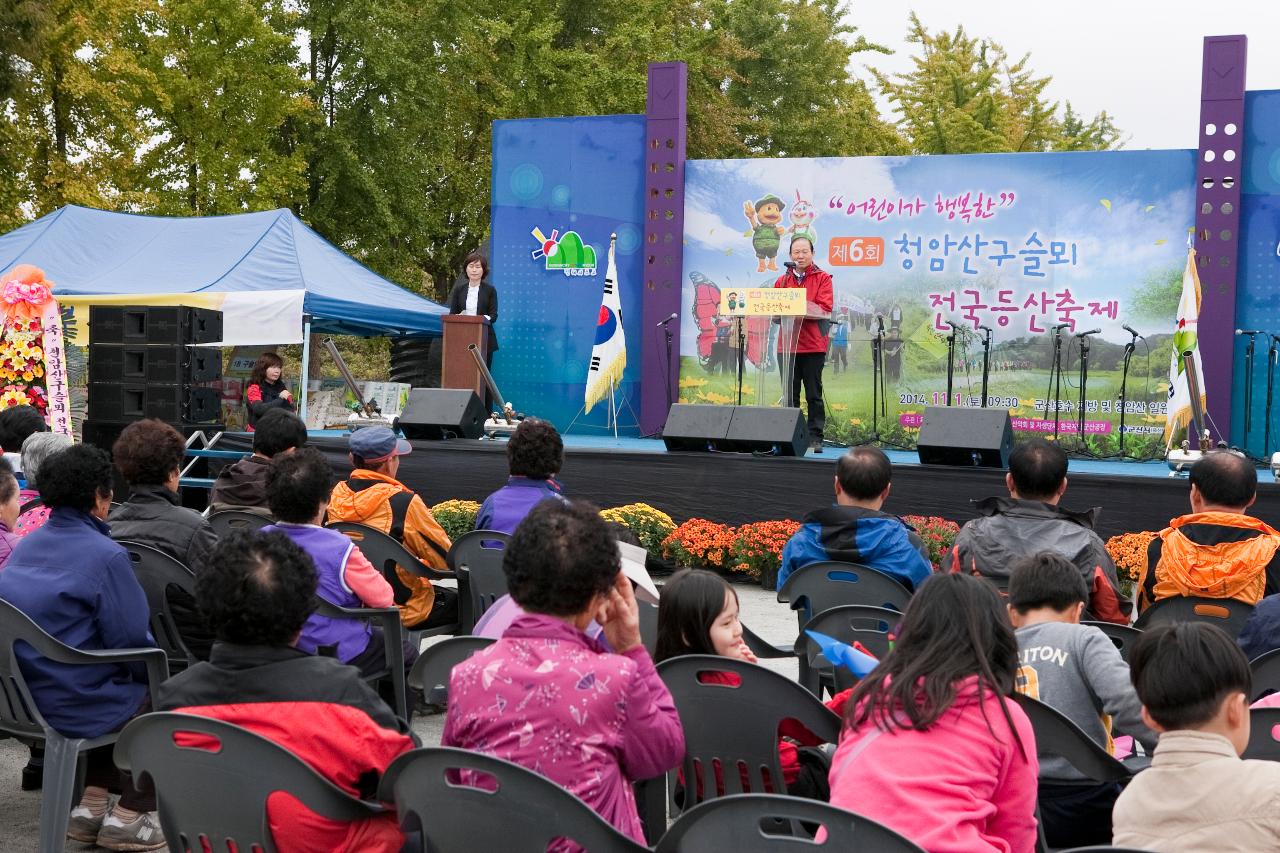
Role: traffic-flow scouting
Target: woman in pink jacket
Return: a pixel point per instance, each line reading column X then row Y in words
column 549, row 697
column 931, row 746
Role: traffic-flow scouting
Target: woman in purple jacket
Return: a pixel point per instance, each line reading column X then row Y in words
column 550, row 698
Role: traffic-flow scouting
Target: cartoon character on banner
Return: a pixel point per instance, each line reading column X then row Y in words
column 802, row 216
column 765, row 217
column 713, row 329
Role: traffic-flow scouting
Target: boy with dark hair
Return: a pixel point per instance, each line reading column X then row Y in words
column 1031, row 520
column 243, row 485
column 257, row 592
column 855, row 530
column 1078, row 671
column 1194, row 684
column 535, row 454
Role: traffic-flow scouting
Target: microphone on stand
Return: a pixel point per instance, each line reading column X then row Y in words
column 880, row 325
column 1061, row 326
column 1086, row 334
column 1242, row 331
column 1131, row 331
column 666, row 321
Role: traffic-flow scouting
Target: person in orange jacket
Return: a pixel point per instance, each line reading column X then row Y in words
column 373, row 496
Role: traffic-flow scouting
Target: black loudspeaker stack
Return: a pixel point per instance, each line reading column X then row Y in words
column 148, row 362
column 735, row 429
column 975, row 438
column 438, row 413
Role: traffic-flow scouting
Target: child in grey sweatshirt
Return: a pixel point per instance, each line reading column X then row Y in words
column 1078, row 671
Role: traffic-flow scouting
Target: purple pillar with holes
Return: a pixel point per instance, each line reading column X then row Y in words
column 663, row 247
column 1218, row 215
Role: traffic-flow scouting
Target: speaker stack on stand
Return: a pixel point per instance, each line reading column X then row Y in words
column 147, row 362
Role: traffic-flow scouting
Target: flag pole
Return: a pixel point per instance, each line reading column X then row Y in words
column 613, row 411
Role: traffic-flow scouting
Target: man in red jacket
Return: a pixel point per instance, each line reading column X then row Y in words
column 810, row 343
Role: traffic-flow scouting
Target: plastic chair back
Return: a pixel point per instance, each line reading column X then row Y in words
column 733, row 727
column 476, row 558
column 849, row 623
column 228, row 520
column 386, row 554
column 1057, row 735
column 1122, row 636
column 1227, row 613
column 750, row 823
column 432, row 669
column 1264, row 729
column 156, row 572
column 1266, row 674
column 215, row 779
column 822, row 586
column 388, row 619
column 491, row 804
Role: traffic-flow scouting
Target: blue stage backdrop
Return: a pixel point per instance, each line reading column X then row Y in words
column 1258, row 288
column 561, row 186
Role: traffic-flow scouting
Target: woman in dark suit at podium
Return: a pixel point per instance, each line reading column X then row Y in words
column 475, row 296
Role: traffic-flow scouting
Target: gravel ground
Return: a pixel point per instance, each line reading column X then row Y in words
column 20, row 810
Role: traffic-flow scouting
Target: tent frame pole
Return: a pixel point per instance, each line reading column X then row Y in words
column 306, row 364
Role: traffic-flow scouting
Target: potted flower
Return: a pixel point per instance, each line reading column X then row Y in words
column 757, row 549
column 939, row 535
column 456, row 517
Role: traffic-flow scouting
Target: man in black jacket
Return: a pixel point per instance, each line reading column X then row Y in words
column 244, row 484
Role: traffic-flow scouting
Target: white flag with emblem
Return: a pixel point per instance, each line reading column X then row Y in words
column 609, row 355
column 1184, row 340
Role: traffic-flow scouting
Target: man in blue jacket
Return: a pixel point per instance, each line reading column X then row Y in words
column 854, row 530
column 79, row 586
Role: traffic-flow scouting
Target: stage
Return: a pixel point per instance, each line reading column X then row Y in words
column 736, row 488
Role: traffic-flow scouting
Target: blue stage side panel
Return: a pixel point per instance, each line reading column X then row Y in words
column 1258, row 288
column 580, row 175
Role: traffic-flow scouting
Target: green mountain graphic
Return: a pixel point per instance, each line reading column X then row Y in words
column 572, row 254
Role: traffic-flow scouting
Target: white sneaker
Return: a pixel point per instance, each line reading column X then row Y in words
column 141, row 833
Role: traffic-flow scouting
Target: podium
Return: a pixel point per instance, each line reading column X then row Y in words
column 768, row 341
column 457, row 367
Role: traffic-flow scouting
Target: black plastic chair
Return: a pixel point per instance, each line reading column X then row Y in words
column 465, row 801
column 849, row 623
column 1266, row 674
column 21, row 719
column 733, row 727
column 388, row 619
column 157, row 572
column 217, row 792
column 738, row 823
column 386, row 554
column 762, row 648
column 1227, row 613
column 1262, row 734
column 228, row 520
column 821, row 586
column 1122, row 636
column 476, row 558
column 431, row 670
column 1057, row 735
column 648, row 625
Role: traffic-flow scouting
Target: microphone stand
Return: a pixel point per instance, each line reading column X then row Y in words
column 1124, row 384
column 1248, row 391
column 1271, row 378
column 951, row 353
column 877, row 381
column 666, row 330
column 1055, row 381
column 1084, row 380
column 739, row 322
column 986, row 363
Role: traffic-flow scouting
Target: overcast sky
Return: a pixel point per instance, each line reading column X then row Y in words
column 1138, row 60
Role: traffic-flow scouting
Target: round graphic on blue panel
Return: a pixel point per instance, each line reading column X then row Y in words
column 526, row 181
column 628, row 239
column 559, row 197
column 1274, row 170
column 606, row 325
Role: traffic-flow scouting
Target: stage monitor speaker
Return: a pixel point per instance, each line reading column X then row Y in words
column 175, row 325
column 766, row 429
column 154, row 365
column 973, row 438
column 123, row 402
column 696, row 427
column 436, row 413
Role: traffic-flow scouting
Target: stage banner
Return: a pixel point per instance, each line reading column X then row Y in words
column 561, row 187
column 1017, row 243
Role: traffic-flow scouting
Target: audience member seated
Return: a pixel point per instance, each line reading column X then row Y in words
column 1217, row 551
column 854, row 530
column 535, row 454
column 1077, row 670
column 35, row 450
column 9, row 507
column 698, row 615
column 550, row 698
column 1194, row 684
column 1030, row 520
column 79, row 586
column 17, row 424
column 1261, row 632
column 374, row 497
column 243, row 485
column 931, row 748
column 257, row 591
column 298, row 488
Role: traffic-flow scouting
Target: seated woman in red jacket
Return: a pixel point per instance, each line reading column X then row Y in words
column 266, row 390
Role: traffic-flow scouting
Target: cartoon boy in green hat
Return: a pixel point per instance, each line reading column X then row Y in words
column 765, row 218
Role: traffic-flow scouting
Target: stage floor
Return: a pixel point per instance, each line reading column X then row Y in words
column 735, row 488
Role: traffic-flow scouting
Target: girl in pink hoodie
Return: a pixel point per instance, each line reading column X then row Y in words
column 931, row 747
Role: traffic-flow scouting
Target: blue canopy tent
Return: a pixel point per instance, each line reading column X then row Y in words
column 274, row 279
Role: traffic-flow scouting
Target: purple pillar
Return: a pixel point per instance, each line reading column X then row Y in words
column 1218, row 215
column 663, row 248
